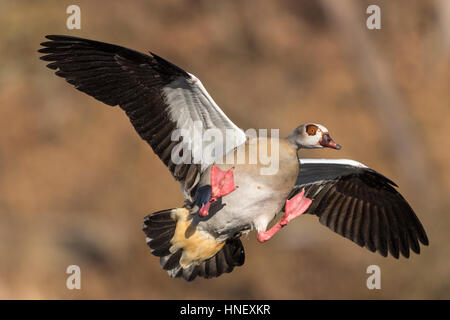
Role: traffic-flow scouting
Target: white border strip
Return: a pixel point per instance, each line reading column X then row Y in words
column 334, row 161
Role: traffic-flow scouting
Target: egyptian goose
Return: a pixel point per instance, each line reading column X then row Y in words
column 225, row 199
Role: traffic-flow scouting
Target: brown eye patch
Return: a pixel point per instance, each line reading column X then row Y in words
column 311, row 129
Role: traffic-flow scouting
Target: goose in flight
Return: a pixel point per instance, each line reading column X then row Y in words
column 224, row 199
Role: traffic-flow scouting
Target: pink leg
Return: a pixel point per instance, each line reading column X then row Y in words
column 263, row 236
column 204, row 210
column 294, row 208
column 222, row 183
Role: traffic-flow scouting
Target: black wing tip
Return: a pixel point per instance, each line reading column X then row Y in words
column 61, row 37
column 422, row 234
column 54, row 36
column 395, row 256
column 48, row 44
column 383, row 252
column 405, row 253
column 379, row 176
column 412, row 245
column 168, row 64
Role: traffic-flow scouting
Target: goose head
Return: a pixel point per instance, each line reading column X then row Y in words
column 311, row 136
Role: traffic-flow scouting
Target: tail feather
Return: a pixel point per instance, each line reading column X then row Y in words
column 160, row 230
column 171, row 261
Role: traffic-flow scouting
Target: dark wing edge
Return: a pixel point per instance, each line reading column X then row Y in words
column 116, row 75
column 360, row 204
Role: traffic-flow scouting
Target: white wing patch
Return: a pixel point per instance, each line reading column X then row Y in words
column 334, row 161
column 194, row 111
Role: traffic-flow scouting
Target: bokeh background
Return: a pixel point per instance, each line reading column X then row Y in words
column 76, row 180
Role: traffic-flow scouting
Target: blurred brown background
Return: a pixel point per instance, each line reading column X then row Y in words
column 76, row 180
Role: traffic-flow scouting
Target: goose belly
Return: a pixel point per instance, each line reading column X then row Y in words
column 252, row 204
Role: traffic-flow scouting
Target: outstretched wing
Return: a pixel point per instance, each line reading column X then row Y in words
column 168, row 107
column 361, row 205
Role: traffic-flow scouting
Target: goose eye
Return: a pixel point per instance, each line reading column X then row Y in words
column 311, row 129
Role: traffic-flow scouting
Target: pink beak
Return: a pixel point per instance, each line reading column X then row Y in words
column 327, row 142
